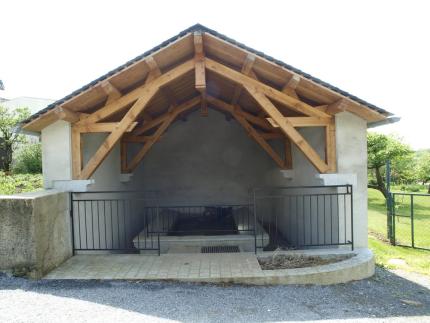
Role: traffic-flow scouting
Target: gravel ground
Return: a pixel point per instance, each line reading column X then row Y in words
column 386, row 297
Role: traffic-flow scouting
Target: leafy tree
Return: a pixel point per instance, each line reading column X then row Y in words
column 423, row 168
column 381, row 148
column 9, row 137
column 28, row 159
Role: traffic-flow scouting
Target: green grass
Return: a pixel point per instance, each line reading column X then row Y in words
column 18, row 183
column 415, row 260
column 378, row 219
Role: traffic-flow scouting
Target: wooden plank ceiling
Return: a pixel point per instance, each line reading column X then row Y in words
column 199, row 71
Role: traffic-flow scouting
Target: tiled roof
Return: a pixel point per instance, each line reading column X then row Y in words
column 201, row 28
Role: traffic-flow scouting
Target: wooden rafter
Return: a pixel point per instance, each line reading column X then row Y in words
column 272, row 135
column 155, row 122
column 102, row 127
column 200, row 70
column 77, row 158
column 147, row 146
column 154, row 70
column 303, row 121
column 111, row 91
column 141, row 98
column 288, row 129
column 246, row 69
column 66, row 115
column 220, row 104
column 127, row 99
column 330, row 146
column 258, row 138
column 290, row 87
column 271, row 92
column 115, row 135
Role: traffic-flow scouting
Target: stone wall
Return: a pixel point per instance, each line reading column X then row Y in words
column 34, row 232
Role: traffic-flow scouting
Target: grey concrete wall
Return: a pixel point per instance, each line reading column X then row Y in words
column 34, row 232
column 56, row 153
column 206, row 160
column 351, row 142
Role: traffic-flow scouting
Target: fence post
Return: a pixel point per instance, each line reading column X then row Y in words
column 390, row 206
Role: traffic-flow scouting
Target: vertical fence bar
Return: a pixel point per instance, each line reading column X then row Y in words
column 412, row 221
column 352, row 217
column 72, row 222
column 393, row 218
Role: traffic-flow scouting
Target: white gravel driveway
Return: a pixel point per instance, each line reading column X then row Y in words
column 386, row 297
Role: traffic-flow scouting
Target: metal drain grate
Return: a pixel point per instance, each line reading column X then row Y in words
column 219, row 249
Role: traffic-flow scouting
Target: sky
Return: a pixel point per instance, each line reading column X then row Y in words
column 376, row 50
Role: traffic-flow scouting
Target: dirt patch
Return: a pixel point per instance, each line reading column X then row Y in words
column 297, row 261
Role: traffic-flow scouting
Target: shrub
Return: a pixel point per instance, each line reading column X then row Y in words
column 11, row 184
column 29, row 160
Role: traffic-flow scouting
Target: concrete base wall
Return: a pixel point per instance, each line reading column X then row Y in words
column 35, row 232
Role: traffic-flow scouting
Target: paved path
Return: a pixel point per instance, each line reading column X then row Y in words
column 386, row 297
column 166, row 266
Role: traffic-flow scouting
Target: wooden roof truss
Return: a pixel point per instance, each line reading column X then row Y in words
column 270, row 104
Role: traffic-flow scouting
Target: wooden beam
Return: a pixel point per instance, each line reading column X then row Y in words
column 290, row 87
column 336, row 107
column 330, row 146
column 292, row 83
column 147, row 146
column 142, row 91
column 303, row 121
column 102, row 127
column 155, row 122
column 199, row 59
column 111, row 91
column 288, row 154
column 259, row 139
column 222, row 105
column 76, row 153
column 246, row 69
column 288, row 129
column 66, row 115
column 115, row 135
column 154, row 70
column 274, row 94
column 272, row 135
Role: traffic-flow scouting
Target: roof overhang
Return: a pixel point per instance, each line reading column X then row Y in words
column 218, row 47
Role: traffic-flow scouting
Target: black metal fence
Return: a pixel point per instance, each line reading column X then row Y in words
column 409, row 220
column 298, row 217
column 110, row 221
column 281, row 217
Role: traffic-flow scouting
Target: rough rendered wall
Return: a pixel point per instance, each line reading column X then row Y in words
column 34, row 232
column 56, row 153
column 352, row 159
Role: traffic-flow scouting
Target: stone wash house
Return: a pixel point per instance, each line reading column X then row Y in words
column 204, row 143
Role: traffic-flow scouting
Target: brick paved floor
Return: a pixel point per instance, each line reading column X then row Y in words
column 166, row 266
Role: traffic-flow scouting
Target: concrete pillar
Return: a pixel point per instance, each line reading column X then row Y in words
column 351, row 145
column 56, row 153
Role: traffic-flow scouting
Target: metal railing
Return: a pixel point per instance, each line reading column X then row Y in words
column 111, row 220
column 306, row 216
column 277, row 217
column 409, row 219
